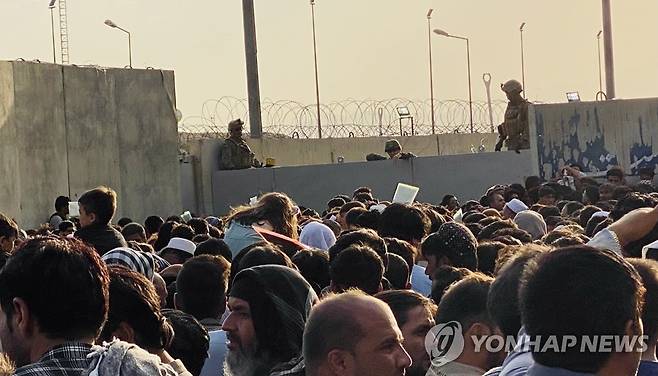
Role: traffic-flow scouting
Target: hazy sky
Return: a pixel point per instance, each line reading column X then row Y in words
column 367, row 48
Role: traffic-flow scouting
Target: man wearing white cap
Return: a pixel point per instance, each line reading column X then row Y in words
column 513, row 208
column 178, row 251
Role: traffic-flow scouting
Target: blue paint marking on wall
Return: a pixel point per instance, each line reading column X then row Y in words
column 642, row 153
column 567, row 150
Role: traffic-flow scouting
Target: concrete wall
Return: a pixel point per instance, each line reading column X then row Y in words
column 65, row 129
column 467, row 176
column 597, row 135
column 289, row 152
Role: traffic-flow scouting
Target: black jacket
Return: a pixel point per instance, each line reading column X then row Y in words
column 102, row 237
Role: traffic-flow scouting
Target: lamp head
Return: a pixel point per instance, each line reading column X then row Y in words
column 441, row 32
column 110, row 23
column 522, row 26
column 429, row 13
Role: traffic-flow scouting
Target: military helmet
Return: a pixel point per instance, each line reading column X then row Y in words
column 234, row 124
column 392, row 145
column 512, row 86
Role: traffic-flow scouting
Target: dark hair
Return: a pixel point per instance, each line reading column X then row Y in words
column 101, row 201
column 487, row 254
column 133, row 300
column 335, row 202
column 313, row 265
column 443, row 277
column 363, row 237
column 549, row 211
column 199, row 225
column 521, row 235
column 152, row 224
column 352, row 216
column 503, row 300
column 200, row 238
column 214, row 232
column 488, row 230
column 124, row 221
column 592, row 193
column 648, row 271
column 357, row 267
column 164, row 235
column 546, row 191
column 174, row 218
column 183, row 231
column 214, row 247
column 201, row 285
column 629, row 203
column 586, row 213
column 63, row 281
column 276, row 208
column 349, row 206
column 488, row 220
column 621, row 192
column 363, row 197
column 362, row 190
column 403, row 249
column 404, row 222
column 466, row 301
column 398, row 271
column 473, row 217
column 403, row 301
column 133, row 229
column 557, row 297
column 368, row 219
column 615, row 171
column 61, row 202
column 532, row 182
column 8, row 228
column 446, row 199
column 191, row 341
column 63, row 226
column 647, row 170
column 264, row 255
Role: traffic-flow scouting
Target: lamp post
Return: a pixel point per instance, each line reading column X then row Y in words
column 598, row 44
column 429, row 40
column 522, row 61
column 51, row 6
column 130, row 48
column 468, row 60
column 317, row 81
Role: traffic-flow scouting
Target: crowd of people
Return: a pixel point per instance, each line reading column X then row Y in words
column 275, row 288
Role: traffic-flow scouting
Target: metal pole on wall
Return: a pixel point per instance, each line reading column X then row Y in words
column 598, row 44
column 317, row 82
column 523, row 62
column 470, row 89
column 608, row 50
column 429, row 38
column 251, row 56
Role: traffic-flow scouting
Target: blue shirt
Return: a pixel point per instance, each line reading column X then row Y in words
column 539, row 370
column 239, row 237
column 420, row 282
column 648, row 368
column 214, row 365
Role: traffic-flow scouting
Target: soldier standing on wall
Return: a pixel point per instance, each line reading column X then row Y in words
column 235, row 154
column 515, row 129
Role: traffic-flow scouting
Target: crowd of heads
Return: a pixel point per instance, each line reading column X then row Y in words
column 353, row 288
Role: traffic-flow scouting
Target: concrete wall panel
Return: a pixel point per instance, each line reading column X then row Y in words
column 10, row 188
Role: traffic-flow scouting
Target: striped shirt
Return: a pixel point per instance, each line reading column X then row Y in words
column 69, row 359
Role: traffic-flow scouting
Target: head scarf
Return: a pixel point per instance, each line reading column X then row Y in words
column 532, row 222
column 317, row 235
column 280, row 301
column 137, row 261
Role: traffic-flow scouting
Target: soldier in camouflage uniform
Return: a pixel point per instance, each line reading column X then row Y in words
column 515, row 130
column 235, row 154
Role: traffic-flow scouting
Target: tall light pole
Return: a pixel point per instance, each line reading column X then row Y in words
column 51, row 6
column 317, row 81
column 598, row 44
column 608, row 50
column 468, row 60
column 251, row 59
column 429, row 40
column 522, row 62
column 130, row 47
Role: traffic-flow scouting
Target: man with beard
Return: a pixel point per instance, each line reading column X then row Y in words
column 353, row 334
column 269, row 306
column 414, row 314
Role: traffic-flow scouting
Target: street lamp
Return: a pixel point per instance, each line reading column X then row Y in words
column 598, row 42
column 468, row 60
column 130, row 48
column 429, row 39
column 317, row 81
column 51, row 6
column 522, row 62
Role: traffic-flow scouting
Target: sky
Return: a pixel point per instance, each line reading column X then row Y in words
column 367, row 49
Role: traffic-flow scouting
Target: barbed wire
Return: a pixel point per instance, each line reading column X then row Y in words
column 347, row 118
